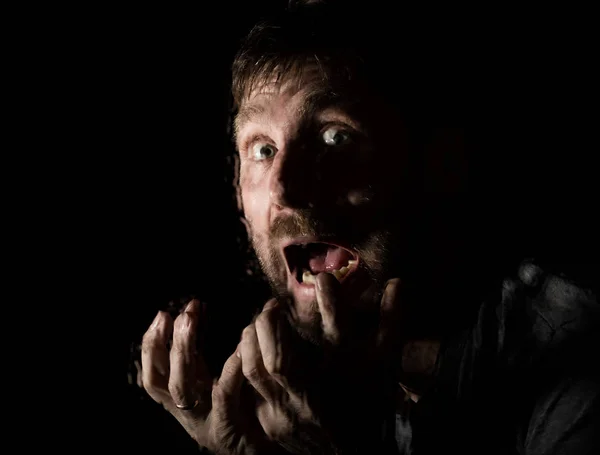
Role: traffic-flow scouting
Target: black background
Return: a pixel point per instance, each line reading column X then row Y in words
column 164, row 221
column 173, row 225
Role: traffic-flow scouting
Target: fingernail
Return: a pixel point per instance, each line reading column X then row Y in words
column 238, row 354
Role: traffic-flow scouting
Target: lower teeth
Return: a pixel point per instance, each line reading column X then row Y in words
column 309, row 278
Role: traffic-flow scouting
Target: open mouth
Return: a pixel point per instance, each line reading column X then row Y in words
column 306, row 260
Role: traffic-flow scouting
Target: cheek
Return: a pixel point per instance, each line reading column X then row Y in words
column 255, row 196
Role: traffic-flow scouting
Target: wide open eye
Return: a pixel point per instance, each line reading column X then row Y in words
column 262, row 151
column 334, row 136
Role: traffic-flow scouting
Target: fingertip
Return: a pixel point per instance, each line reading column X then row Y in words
column 327, row 286
column 162, row 322
column 156, row 321
column 247, row 333
column 193, row 306
column 272, row 303
column 391, row 293
column 187, row 321
column 323, row 280
column 393, row 282
column 326, row 281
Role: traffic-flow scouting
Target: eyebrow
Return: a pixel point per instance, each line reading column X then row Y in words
column 315, row 101
column 245, row 115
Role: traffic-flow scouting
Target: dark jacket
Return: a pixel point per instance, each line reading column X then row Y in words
column 524, row 379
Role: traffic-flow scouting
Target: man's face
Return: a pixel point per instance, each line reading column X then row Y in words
column 316, row 182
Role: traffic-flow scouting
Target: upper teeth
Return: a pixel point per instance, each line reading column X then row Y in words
column 309, row 278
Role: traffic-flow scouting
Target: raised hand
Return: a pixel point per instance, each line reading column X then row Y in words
column 178, row 379
column 326, row 399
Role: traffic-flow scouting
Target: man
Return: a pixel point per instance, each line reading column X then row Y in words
column 355, row 223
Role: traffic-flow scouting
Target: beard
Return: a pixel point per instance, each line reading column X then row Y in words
column 374, row 248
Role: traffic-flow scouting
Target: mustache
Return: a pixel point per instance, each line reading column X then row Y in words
column 309, row 223
column 300, row 224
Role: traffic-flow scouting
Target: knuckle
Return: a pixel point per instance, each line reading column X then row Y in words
column 151, row 343
column 247, row 333
column 181, row 345
column 252, row 374
column 273, row 366
column 149, row 338
column 181, row 322
column 176, row 391
column 219, row 397
column 177, row 348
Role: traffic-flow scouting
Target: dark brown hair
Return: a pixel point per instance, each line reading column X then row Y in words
column 369, row 50
column 282, row 47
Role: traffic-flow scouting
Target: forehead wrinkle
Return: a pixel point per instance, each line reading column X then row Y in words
column 315, row 100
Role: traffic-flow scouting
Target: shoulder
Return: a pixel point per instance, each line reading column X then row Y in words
column 561, row 302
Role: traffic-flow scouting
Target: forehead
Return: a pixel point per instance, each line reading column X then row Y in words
column 292, row 97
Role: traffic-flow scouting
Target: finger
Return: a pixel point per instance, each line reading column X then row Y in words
column 182, row 378
column 327, row 291
column 155, row 357
column 226, row 393
column 253, row 366
column 274, row 341
column 411, row 394
column 193, row 306
column 390, row 315
column 271, row 303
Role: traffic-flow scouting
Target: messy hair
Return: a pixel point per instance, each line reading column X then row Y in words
column 313, row 35
column 368, row 50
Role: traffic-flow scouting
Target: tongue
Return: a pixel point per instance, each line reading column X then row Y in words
column 333, row 258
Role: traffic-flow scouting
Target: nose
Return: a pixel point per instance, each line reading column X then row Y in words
column 292, row 179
